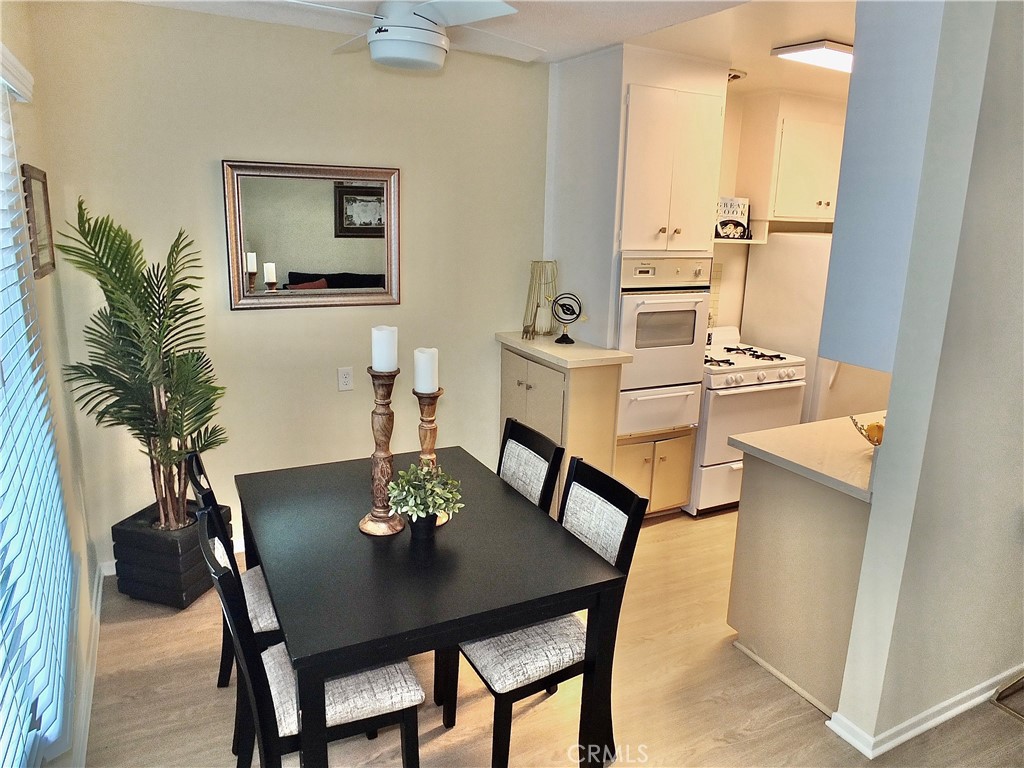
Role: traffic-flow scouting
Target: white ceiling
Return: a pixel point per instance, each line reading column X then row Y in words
column 740, row 33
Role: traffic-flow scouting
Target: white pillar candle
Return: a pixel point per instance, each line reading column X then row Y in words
column 269, row 272
column 384, row 348
column 425, row 370
column 250, row 261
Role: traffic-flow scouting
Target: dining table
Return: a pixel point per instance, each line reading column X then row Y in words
column 346, row 601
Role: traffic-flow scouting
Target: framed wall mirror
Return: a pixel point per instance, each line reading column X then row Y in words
column 311, row 235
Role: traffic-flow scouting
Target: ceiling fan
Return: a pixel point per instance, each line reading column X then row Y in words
column 418, row 34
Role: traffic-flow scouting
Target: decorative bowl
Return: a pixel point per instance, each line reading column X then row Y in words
column 872, row 432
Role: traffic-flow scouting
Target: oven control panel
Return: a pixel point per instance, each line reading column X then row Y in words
column 640, row 269
column 751, row 376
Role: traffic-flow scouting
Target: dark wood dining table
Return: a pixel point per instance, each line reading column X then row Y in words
column 346, row 600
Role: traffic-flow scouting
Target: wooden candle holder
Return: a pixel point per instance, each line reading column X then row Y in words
column 252, row 282
column 272, row 288
column 380, row 521
column 428, row 435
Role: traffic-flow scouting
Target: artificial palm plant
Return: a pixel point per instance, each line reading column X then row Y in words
column 147, row 368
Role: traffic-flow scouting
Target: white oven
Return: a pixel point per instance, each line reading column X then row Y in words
column 663, row 319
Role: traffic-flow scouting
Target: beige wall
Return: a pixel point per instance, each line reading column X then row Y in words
column 139, row 105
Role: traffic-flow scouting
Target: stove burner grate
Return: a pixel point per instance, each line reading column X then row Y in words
column 708, row 360
column 741, row 350
column 758, row 355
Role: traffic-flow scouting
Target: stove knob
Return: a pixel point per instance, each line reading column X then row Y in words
column 761, row 375
column 730, row 380
column 739, row 378
column 782, row 373
column 792, row 373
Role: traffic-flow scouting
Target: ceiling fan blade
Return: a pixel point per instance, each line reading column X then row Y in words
column 481, row 41
column 357, row 43
column 335, row 9
column 450, row 13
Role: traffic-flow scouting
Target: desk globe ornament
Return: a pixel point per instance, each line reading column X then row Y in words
column 567, row 309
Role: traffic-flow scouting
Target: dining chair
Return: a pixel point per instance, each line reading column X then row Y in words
column 606, row 516
column 529, row 462
column 356, row 703
column 254, row 586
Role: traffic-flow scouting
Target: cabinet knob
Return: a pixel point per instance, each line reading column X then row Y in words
column 828, row 203
column 662, row 458
column 677, row 231
column 647, row 460
column 529, row 386
column 519, row 382
column 819, row 203
column 663, row 230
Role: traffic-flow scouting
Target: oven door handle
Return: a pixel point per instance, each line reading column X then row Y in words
column 687, row 302
column 755, row 388
column 640, row 399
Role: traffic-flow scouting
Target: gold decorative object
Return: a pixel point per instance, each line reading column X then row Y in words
column 872, row 432
column 252, row 282
column 428, row 435
column 380, row 521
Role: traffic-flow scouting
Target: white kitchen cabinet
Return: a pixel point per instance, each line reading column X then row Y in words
column 568, row 393
column 790, row 151
column 658, row 468
column 672, row 162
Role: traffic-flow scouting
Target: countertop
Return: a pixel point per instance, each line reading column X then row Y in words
column 830, row 452
column 544, row 350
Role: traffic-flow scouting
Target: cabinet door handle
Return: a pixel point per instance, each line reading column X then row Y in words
column 819, row 203
column 519, row 382
column 663, row 230
column 828, row 203
column 677, row 231
column 647, row 460
column 662, row 458
column 529, row 386
column 638, row 399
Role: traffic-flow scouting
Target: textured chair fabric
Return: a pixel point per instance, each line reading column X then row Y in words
column 357, row 696
column 524, row 470
column 257, row 600
column 594, row 521
column 513, row 659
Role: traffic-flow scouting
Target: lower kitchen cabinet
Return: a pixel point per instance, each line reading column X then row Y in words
column 570, row 393
column 658, row 467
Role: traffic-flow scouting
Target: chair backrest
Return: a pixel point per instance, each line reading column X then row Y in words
column 207, row 501
column 199, row 481
column 529, row 462
column 224, row 573
column 602, row 512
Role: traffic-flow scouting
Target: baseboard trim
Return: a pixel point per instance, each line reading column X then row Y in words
column 83, row 713
column 108, row 568
column 873, row 746
column 817, row 704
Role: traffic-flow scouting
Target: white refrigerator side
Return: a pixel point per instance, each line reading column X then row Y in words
column 783, row 302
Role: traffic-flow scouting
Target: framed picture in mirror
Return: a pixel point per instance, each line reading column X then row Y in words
column 358, row 211
column 40, row 231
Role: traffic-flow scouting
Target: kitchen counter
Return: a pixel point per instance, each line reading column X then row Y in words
column 830, row 452
column 544, row 350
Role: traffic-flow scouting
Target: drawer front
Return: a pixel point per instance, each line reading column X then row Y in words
column 657, row 410
column 718, row 485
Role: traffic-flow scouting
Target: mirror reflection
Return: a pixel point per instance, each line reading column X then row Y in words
column 311, row 235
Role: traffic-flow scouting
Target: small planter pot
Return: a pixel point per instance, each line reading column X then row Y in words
column 423, row 527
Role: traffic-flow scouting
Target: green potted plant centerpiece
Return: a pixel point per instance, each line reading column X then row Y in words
column 421, row 493
column 147, row 371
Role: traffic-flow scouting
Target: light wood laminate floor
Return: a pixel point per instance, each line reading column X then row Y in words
column 682, row 694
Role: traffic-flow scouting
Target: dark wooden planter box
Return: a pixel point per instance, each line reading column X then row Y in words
column 164, row 567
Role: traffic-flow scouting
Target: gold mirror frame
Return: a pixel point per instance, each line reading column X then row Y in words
column 245, row 297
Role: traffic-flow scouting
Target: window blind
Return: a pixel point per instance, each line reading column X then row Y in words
column 36, row 573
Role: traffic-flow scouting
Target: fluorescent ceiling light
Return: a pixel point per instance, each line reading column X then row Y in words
column 820, row 53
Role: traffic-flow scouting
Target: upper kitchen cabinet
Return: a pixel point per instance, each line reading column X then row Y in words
column 790, row 150
column 603, row 168
column 672, row 162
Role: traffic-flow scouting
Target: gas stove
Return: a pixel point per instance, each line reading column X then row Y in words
column 729, row 363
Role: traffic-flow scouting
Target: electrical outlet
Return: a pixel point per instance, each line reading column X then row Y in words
column 345, row 379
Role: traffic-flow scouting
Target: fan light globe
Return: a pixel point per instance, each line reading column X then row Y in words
column 407, row 47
